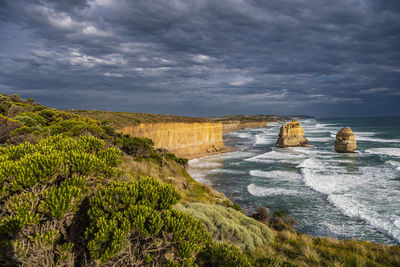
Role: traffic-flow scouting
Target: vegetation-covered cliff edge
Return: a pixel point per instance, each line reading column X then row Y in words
column 76, row 193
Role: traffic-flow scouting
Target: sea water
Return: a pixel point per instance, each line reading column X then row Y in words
column 354, row 195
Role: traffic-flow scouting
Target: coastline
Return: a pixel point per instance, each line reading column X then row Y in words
column 254, row 206
column 225, row 149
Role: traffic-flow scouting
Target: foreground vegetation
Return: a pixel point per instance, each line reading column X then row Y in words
column 73, row 192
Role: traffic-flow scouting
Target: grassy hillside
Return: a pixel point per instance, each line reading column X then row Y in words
column 75, row 193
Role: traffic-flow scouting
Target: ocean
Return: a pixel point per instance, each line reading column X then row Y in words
column 348, row 196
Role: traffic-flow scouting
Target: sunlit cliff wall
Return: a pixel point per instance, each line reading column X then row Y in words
column 188, row 140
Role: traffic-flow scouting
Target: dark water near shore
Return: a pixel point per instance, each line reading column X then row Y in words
column 329, row 194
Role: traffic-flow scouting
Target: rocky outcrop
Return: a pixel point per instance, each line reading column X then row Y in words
column 291, row 134
column 187, row 140
column 345, row 141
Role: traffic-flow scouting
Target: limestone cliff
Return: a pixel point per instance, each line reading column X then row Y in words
column 291, row 134
column 345, row 141
column 187, row 140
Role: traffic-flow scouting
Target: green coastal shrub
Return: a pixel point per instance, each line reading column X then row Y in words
column 32, row 120
column 223, row 255
column 229, row 225
column 52, row 115
column 76, row 127
column 129, row 218
column 181, row 161
column 137, row 146
column 142, row 148
column 43, row 187
column 29, row 121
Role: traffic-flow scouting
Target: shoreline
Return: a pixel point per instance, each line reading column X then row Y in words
column 254, row 205
column 225, row 149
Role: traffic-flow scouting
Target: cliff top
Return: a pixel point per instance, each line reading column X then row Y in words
column 121, row 119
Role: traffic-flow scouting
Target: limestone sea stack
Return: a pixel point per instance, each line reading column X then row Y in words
column 291, row 134
column 345, row 141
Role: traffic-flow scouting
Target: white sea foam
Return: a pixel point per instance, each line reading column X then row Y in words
column 261, row 139
column 329, row 183
column 396, row 164
column 282, row 154
column 389, row 224
column 327, row 179
column 198, row 175
column 325, row 125
column 278, row 175
column 228, row 171
column 204, row 164
column 245, row 135
column 274, row 124
column 236, row 155
column 353, row 192
column 365, row 133
column 376, row 140
column 274, row 161
column 259, row 191
column 307, row 151
column 320, row 139
column 388, row 151
column 312, row 130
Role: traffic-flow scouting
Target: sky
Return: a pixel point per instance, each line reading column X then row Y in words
column 204, row 57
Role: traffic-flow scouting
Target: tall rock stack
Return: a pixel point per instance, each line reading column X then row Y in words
column 291, row 134
column 345, row 141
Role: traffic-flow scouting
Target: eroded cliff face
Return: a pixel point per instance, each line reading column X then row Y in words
column 187, row 140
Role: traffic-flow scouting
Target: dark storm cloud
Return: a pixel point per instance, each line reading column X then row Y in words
column 204, row 57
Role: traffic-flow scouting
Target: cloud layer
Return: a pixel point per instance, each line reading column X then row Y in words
column 203, row 58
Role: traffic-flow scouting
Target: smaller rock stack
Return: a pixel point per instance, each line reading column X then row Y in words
column 291, row 134
column 345, row 141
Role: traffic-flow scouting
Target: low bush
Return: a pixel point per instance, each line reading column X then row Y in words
column 137, row 146
column 7, row 126
column 32, row 120
column 53, row 116
column 230, row 226
column 133, row 221
column 143, row 148
column 224, row 255
column 181, row 161
column 280, row 221
column 76, row 127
